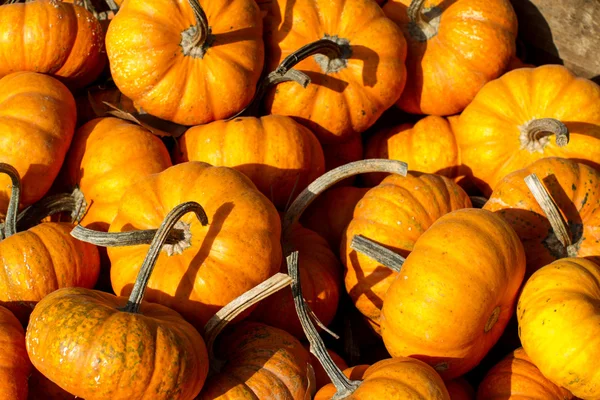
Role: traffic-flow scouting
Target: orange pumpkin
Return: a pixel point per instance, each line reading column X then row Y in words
column 510, row 122
column 574, row 189
column 357, row 74
column 428, row 146
column 187, row 62
column 558, row 324
column 278, row 154
column 467, row 257
column 211, row 265
column 454, row 48
column 321, row 377
column 51, row 37
column 16, row 366
column 320, row 272
column 89, row 342
column 97, row 164
column 37, row 121
column 394, row 214
column 516, row 377
column 460, row 389
column 41, row 259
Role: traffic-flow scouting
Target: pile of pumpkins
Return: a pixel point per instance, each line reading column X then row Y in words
column 197, row 196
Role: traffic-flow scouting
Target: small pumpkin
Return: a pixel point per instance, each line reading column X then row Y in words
column 454, row 48
column 16, row 366
column 467, row 257
column 516, row 377
column 353, row 55
column 428, row 146
column 558, row 324
column 394, row 214
column 321, row 377
column 460, row 389
column 510, row 123
column 89, row 342
column 187, row 61
column 51, row 37
column 37, row 121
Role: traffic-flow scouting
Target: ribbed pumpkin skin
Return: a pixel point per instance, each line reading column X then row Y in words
column 237, row 250
column 262, row 362
column 488, row 131
column 51, row 37
column 460, row 389
column 37, row 121
column 336, row 106
column 98, row 164
column 474, row 43
column 148, row 65
column 278, row 154
column 320, row 275
column 395, row 214
column 15, row 365
column 321, row 376
column 468, row 266
column 394, row 378
column 516, row 377
column 428, row 146
column 41, row 260
column 558, row 324
column 153, row 355
column 574, row 188
column 330, row 214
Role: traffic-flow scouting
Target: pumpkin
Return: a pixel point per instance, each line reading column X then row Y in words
column 516, row 377
column 511, row 121
column 394, row 214
column 16, row 366
column 99, row 346
column 357, row 70
column 210, row 265
column 331, row 213
column 37, row 121
column 321, row 377
column 97, row 164
column 352, row 373
column 51, row 37
column 41, row 259
column 454, row 48
column 467, row 257
column 187, row 62
column 558, row 324
column 573, row 188
column 320, row 272
column 428, row 146
column 460, row 389
column 278, row 154
column 338, row 154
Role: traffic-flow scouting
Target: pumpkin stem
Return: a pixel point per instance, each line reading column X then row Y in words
column 418, row 27
column 331, row 53
column 10, row 224
column 118, row 239
column 377, row 252
column 548, row 205
column 224, row 316
column 478, row 201
column 196, row 40
column 343, row 385
column 535, row 134
column 159, row 240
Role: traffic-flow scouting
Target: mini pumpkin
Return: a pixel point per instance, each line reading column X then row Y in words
column 460, row 389
column 16, row 366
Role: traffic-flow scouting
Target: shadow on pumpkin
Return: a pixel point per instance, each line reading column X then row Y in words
column 221, row 39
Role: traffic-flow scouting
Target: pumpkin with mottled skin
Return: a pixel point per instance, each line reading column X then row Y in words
column 468, row 256
column 350, row 91
column 558, row 318
column 51, row 37
column 496, row 132
column 37, row 121
column 278, row 154
column 15, row 365
column 237, row 250
column 454, row 48
column 261, row 362
column 460, row 389
column 394, row 214
column 80, row 340
column 516, row 377
column 574, row 188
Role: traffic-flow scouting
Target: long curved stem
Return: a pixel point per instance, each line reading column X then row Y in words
column 424, row 29
column 118, row 239
column 343, row 385
column 10, row 224
column 73, row 202
column 141, row 282
column 325, row 47
column 539, row 128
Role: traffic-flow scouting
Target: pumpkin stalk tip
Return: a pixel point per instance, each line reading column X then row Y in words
column 419, row 28
column 196, row 39
column 377, row 252
column 10, row 224
column 535, row 134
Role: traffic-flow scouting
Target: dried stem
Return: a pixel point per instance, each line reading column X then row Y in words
column 130, row 238
column 478, row 201
column 10, row 224
column 539, row 128
column 377, row 252
column 421, row 29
